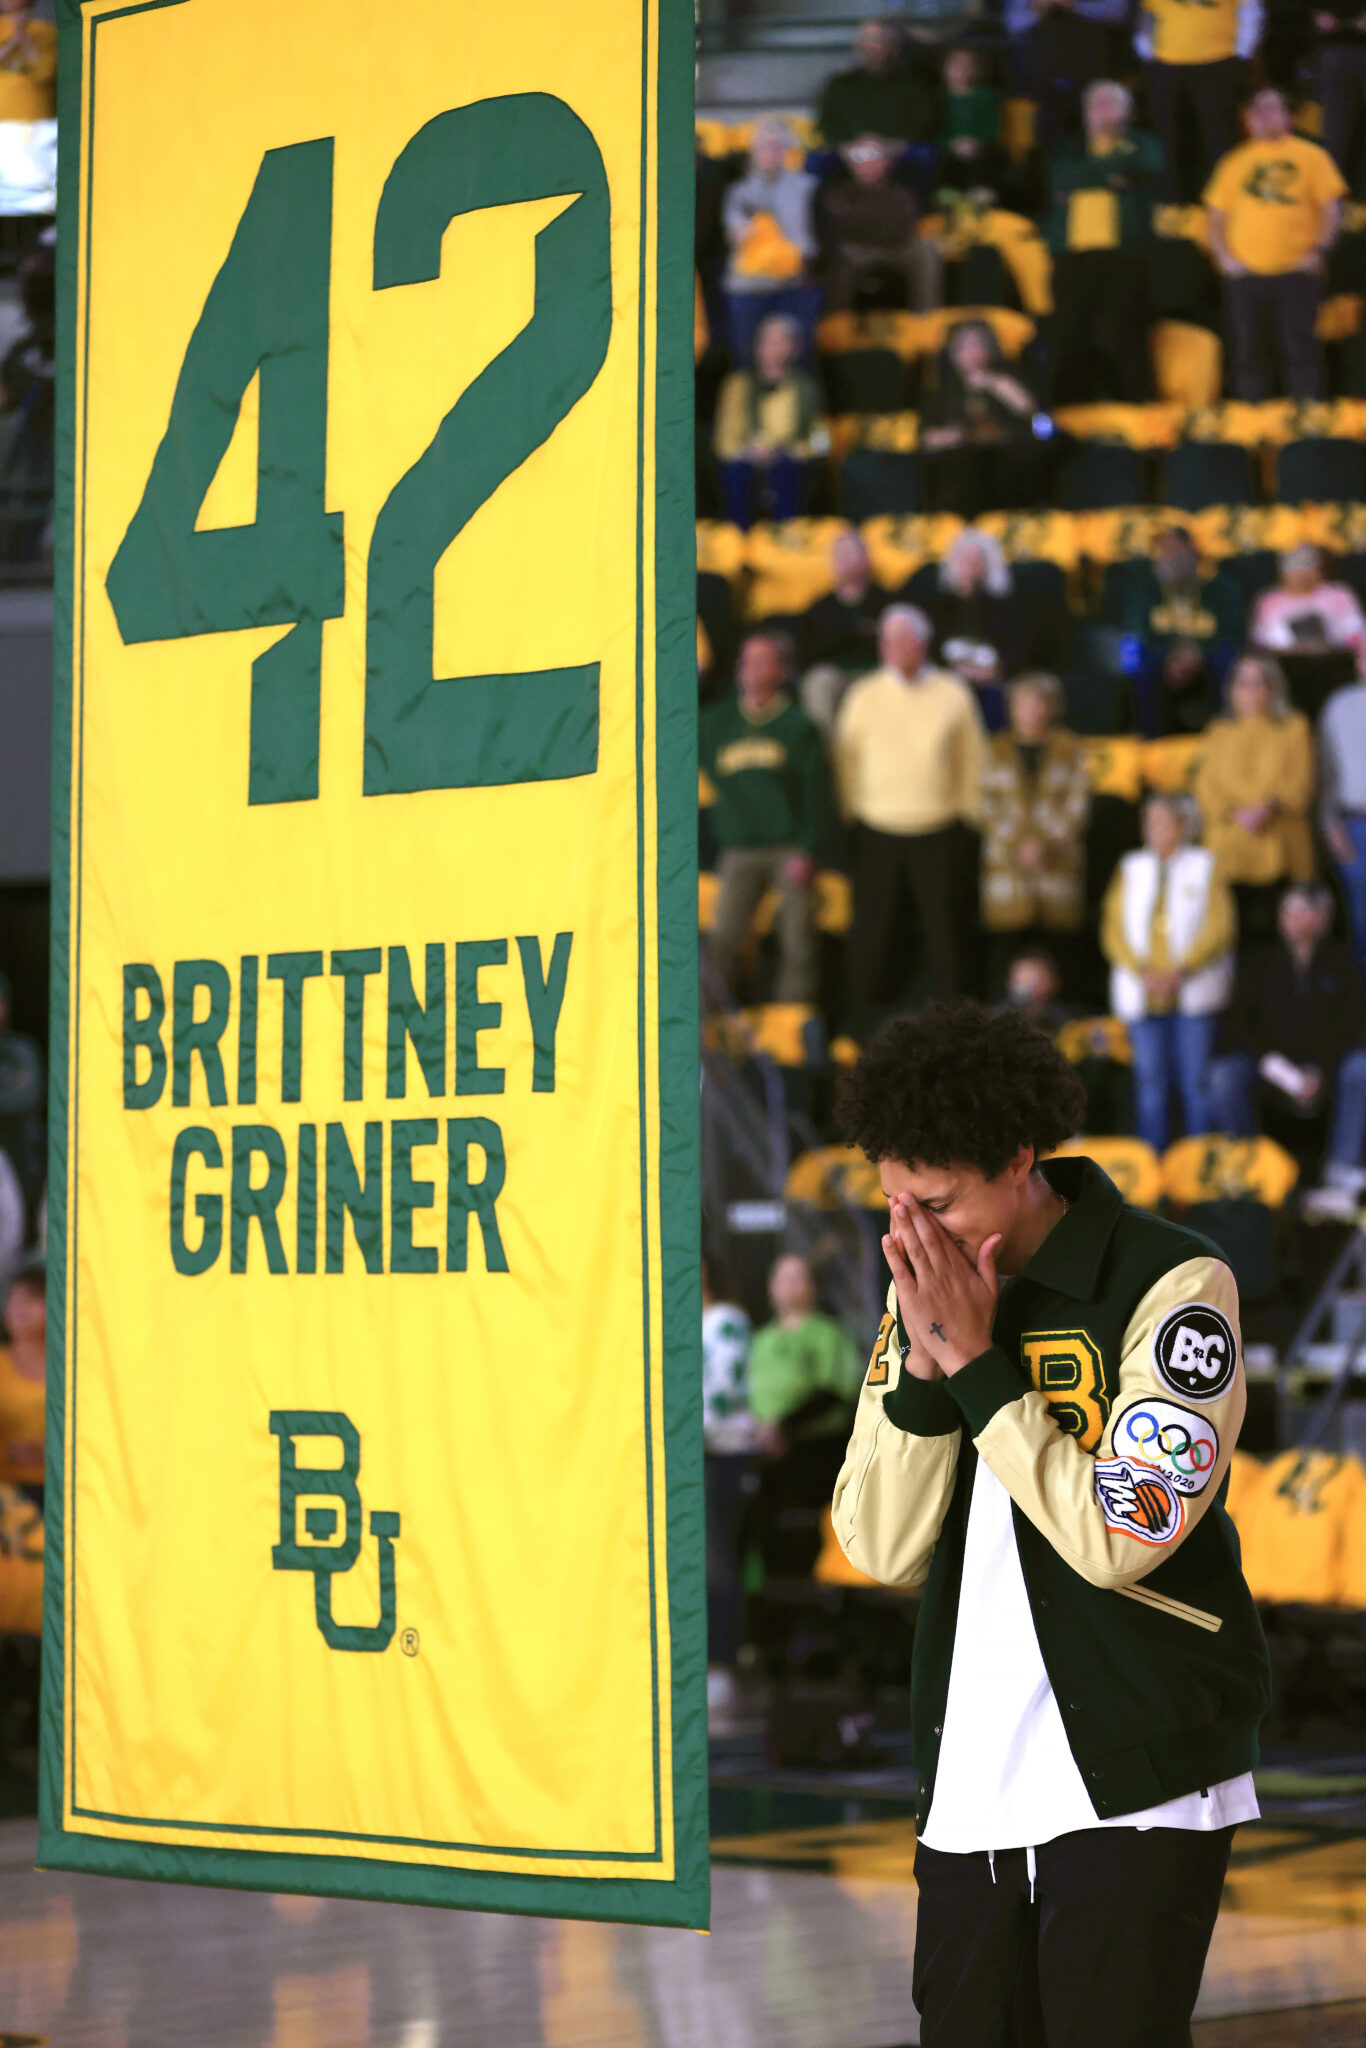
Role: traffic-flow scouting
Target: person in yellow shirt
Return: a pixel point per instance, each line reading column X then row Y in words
column 1195, row 52
column 1254, row 786
column 1274, row 206
column 28, row 64
column 908, row 762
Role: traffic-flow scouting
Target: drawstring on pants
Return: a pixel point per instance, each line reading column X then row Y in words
column 1031, row 1869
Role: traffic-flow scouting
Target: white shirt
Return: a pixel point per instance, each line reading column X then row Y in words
column 1006, row 1777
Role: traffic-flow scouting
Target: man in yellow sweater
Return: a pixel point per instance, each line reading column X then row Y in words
column 908, row 755
column 1196, row 52
column 1274, row 207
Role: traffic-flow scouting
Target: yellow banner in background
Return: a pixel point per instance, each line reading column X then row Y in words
column 374, row 1480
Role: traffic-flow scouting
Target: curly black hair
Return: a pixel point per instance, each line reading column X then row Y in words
column 959, row 1081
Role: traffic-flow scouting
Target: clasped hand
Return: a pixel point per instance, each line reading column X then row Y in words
column 947, row 1304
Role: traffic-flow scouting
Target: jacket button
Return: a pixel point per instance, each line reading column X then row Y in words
column 939, row 1731
column 1044, row 1600
column 1074, row 1706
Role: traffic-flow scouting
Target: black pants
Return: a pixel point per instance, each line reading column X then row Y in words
column 1342, row 76
column 1111, row 1951
column 1100, row 333
column 1270, row 316
column 731, row 1481
column 794, row 1490
column 930, row 866
column 1210, row 92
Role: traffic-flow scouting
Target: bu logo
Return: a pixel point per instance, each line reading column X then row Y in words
column 323, row 1556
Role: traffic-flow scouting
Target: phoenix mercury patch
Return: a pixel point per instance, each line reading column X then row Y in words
column 1138, row 1500
column 1181, row 1444
column 1195, row 1352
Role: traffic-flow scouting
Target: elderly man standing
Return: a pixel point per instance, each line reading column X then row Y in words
column 1274, row 206
column 766, row 768
column 908, row 756
column 1102, row 187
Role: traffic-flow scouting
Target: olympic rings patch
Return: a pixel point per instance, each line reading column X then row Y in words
column 1176, row 1441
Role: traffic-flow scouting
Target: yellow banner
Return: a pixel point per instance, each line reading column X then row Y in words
column 374, row 1521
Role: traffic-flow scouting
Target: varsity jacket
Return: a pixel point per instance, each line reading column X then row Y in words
column 1108, row 1407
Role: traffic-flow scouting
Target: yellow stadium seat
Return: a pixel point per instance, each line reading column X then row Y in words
column 1132, row 1166
column 834, row 901
column 832, row 893
column 1224, row 530
column 1171, row 765
column 1293, row 1528
column 1339, row 317
column 820, row 1177
column 1188, row 363
column 1035, row 536
column 832, row 1566
column 1137, row 426
column 899, row 545
column 21, row 1564
column 708, row 889
column 720, row 550
column 1089, row 1038
column 1119, row 534
column 1014, row 331
column 701, row 330
column 783, row 1031
column 896, row 432
column 843, row 333
column 1115, row 766
column 844, row 1051
column 790, row 565
column 1214, row 1168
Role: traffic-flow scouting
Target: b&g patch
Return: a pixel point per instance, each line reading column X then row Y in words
column 1195, row 1352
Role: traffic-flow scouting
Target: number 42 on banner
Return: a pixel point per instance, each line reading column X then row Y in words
column 267, row 311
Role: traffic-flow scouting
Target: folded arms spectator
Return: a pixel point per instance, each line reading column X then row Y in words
column 1274, row 206
column 1168, row 929
column 1255, row 789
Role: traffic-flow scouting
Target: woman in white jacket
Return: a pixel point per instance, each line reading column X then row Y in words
column 1168, row 930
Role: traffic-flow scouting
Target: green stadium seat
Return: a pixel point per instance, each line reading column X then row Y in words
column 866, row 380
column 1097, row 477
column 1319, row 473
column 875, row 482
column 1203, row 473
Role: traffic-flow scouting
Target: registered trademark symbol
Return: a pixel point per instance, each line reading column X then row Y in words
column 410, row 1642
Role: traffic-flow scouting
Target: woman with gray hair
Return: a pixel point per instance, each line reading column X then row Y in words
column 978, row 628
column 1168, row 929
column 767, row 217
column 1255, row 786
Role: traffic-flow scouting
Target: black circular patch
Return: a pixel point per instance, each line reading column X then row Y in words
column 1195, row 1352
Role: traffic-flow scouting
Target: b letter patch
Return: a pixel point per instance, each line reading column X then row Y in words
column 1138, row 1500
column 1195, row 1352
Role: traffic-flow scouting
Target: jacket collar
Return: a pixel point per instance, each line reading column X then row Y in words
column 1069, row 1259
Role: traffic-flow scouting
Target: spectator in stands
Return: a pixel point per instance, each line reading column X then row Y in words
column 1034, row 807
column 1255, row 787
column 764, row 763
column 1304, row 613
column 1274, row 206
column 1099, row 226
column 1295, row 1034
column 28, row 63
column 1062, row 46
column 768, row 428
column 1168, row 929
column 908, row 747
column 28, row 373
column 1342, row 794
column 22, row 1099
column 1034, row 988
column 23, row 1378
column 976, row 428
column 803, row 1380
column 970, row 155
column 1196, row 57
column 1341, row 34
column 730, row 1437
column 871, row 255
column 770, row 231
column 881, row 95
column 13, row 1217
column 839, row 634
column 979, row 630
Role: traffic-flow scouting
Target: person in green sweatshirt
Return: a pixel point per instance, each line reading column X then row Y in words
column 803, row 1381
column 765, row 773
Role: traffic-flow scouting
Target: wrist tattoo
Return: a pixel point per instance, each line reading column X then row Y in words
column 937, row 1330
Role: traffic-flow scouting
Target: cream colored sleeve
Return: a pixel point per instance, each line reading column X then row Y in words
column 1115, row 1514
column 896, row 1483
column 845, row 751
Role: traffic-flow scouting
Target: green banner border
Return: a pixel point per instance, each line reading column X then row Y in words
column 684, row 1900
